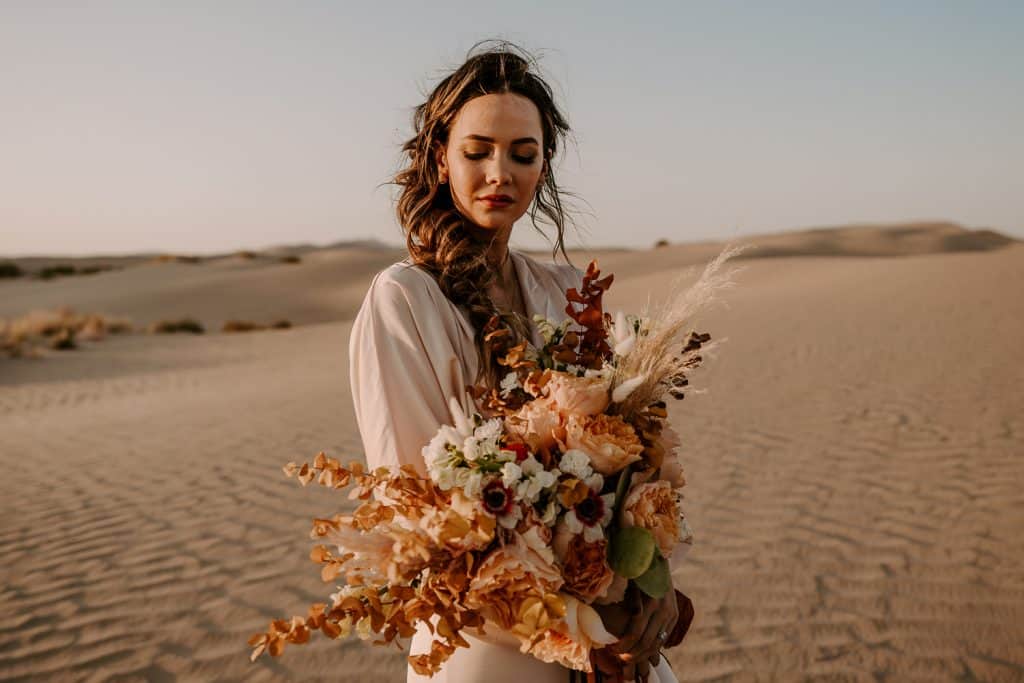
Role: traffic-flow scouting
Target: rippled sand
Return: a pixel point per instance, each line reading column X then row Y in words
column 856, row 472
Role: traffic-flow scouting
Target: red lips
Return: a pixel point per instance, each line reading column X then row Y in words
column 497, row 199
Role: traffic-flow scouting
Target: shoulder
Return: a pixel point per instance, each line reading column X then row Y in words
column 401, row 283
column 405, row 300
column 561, row 273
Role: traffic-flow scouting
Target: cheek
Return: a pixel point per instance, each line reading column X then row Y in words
column 531, row 176
column 466, row 176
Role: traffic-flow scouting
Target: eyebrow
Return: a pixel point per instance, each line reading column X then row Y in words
column 517, row 141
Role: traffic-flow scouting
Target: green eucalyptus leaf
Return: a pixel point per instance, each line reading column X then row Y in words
column 631, row 551
column 656, row 581
column 621, row 488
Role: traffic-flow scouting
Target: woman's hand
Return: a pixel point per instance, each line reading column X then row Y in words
column 639, row 621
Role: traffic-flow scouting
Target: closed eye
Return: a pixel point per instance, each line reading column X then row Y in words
column 481, row 155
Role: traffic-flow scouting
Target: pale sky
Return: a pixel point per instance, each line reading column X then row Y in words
column 212, row 126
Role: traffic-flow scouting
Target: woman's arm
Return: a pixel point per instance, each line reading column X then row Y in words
column 403, row 367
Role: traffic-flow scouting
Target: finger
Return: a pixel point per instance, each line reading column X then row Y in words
column 643, row 670
column 654, row 659
column 634, row 631
column 649, row 643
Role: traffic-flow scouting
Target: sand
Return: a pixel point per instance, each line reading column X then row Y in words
column 855, row 466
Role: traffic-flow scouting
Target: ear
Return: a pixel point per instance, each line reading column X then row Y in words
column 440, row 158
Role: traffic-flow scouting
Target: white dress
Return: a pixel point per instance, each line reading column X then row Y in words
column 411, row 349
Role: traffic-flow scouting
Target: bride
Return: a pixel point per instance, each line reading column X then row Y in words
column 481, row 157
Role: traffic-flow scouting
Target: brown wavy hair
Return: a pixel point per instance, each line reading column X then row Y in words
column 437, row 234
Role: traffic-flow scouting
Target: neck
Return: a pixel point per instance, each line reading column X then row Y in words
column 497, row 245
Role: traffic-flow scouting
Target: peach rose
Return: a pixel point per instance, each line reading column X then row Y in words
column 538, row 423
column 586, row 571
column 608, row 441
column 508, row 576
column 578, row 395
column 570, row 641
column 653, row 506
column 671, row 467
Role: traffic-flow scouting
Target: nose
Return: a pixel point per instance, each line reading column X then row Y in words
column 498, row 171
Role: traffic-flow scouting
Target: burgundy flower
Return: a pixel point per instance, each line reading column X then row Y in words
column 497, row 499
column 520, row 449
column 590, row 510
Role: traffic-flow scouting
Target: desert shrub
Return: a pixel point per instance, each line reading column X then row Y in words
column 661, row 243
column 60, row 270
column 57, row 329
column 290, row 259
column 246, row 255
column 8, row 269
column 184, row 325
column 175, row 258
column 92, row 270
column 64, row 340
column 249, row 326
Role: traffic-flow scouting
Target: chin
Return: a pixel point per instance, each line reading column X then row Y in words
column 492, row 222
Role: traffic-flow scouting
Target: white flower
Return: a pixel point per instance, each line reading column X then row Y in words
column 510, row 520
column 609, row 502
column 471, row 448
column 510, row 474
column 576, row 463
column 550, row 515
column 530, row 489
column 474, row 484
column 547, row 479
column 685, row 532
column 463, row 425
column 591, row 532
column 444, row 478
column 623, row 335
column 489, row 430
column 469, row 480
column 436, row 451
column 505, row 456
column 595, row 482
column 530, row 466
column 509, row 384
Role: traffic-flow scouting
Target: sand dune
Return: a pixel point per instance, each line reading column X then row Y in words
column 855, row 470
column 329, row 283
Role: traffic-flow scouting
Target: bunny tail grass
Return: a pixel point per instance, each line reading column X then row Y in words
column 664, row 355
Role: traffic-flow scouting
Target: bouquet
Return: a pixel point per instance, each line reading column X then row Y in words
column 564, row 488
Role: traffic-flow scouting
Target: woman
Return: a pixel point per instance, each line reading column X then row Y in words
column 480, row 158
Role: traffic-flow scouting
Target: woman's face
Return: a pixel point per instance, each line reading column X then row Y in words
column 493, row 160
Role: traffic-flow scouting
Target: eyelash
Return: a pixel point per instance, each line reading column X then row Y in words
column 522, row 160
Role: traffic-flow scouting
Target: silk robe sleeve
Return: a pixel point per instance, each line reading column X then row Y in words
column 404, row 363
